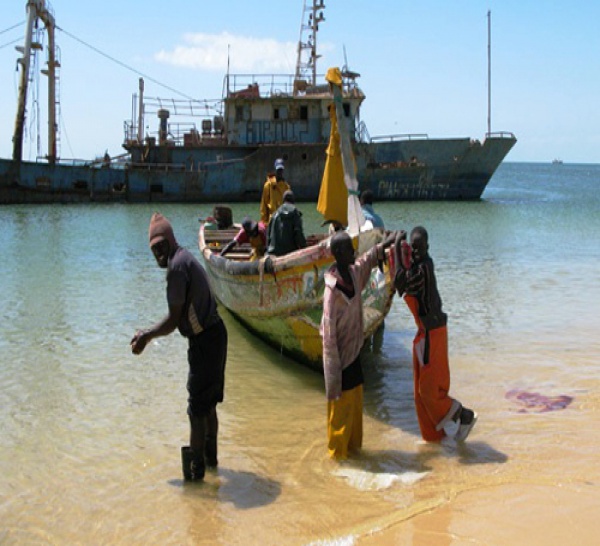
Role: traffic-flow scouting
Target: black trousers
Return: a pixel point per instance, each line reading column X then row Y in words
column 207, row 354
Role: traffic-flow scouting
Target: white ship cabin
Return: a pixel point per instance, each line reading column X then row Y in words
column 268, row 109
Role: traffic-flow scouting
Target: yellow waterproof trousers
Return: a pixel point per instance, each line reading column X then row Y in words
column 345, row 423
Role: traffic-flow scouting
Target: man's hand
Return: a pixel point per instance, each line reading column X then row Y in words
column 138, row 342
column 389, row 239
column 268, row 264
column 386, row 243
column 402, row 261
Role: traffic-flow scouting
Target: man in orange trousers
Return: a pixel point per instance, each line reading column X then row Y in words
column 439, row 415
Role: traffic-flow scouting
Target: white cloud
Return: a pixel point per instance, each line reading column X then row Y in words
column 209, row 52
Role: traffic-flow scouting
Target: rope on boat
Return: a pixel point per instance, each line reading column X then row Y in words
column 261, row 276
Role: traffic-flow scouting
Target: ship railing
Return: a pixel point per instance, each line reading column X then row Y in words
column 165, row 167
column 178, row 130
column 180, row 134
column 116, row 162
column 259, row 85
column 362, row 133
column 67, row 162
column 110, row 161
column 130, row 132
column 278, row 85
column 500, row 134
column 204, row 108
column 72, row 162
column 406, row 136
column 206, row 115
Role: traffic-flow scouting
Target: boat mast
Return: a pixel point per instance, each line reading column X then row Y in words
column 36, row 9
column 489, row 52
column 140, row 135
column 306, row 64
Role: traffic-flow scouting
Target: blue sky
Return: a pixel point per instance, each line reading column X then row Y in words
column 423, row 65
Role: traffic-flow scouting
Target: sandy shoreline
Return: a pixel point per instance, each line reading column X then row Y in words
column 508, row 514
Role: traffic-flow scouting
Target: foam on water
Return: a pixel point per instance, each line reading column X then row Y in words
column 371, row 481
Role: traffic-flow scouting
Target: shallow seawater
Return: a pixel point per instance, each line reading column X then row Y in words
column 91, row 434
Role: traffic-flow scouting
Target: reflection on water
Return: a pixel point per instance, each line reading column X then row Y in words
column 91, row 434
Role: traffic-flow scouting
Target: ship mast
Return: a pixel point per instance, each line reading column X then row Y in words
column 36, row 9
column 306, row 65
column 489, row 52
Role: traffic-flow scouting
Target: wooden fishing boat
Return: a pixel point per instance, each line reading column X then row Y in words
column 280, row 299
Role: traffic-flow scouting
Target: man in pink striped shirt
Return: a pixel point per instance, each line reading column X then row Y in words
column 343, row 338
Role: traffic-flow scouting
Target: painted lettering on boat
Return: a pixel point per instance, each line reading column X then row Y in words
column 424, row 189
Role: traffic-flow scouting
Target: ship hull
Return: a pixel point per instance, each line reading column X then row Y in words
column 395, row 170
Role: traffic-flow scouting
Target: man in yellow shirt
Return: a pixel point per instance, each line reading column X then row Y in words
column 273, row 190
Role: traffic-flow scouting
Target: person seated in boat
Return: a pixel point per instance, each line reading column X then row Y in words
column 285, row 232
column 273, row 190
column 366, row 204
column 223, row 217
column 342, row 331
column 252, row 232
column 210, row 223
column 333, row 226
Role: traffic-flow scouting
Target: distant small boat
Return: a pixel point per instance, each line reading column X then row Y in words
column 557, row 162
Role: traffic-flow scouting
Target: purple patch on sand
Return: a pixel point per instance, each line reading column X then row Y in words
column 533, row 402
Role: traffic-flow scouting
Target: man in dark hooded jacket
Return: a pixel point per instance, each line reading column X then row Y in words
column 285, row 228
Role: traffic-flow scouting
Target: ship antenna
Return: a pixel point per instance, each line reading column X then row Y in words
column 228, row 56
column 306, row 64
column 489, row 52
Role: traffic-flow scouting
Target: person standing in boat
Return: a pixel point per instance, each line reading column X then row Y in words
column 273, row 190
column 438, row 414
column 342, row 331
column 366, row 204
column 286, row 233
column 252, row 232
column 192, row 310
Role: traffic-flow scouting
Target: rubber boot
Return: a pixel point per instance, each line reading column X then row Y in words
column 210, row 452
column 198, row 469
column 187, row 457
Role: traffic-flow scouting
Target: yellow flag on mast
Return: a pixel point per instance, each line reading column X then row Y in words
column 338, row 196
column 333, row 195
